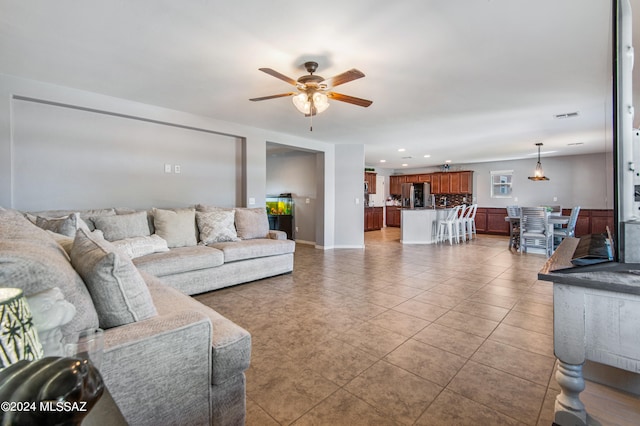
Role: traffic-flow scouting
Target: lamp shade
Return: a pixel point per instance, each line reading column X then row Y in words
column 539, row 173
column 18, row 337
column 311, row 104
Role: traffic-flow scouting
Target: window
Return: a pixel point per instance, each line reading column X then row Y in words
column 501, row 183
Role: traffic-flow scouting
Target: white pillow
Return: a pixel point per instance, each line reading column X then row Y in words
column 141, row 246
column 177, row 226
column 216, row 226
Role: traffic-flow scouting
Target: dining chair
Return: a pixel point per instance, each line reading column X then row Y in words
column 513, row 213
column 562, row 233
column 534, row 230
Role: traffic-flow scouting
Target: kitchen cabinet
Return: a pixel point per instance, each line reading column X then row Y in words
column 490, row 220
column 465, row 182
column 395, row 184
column 441, row 182
column 496, row 224
column 452, row 182
column 373, row 218
column 445, row 183
column 393, row 216
column 435, row 184
column 370, row 178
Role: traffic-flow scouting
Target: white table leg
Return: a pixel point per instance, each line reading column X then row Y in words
column 569, row 410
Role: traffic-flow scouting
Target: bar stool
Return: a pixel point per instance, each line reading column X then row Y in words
column 449, row 226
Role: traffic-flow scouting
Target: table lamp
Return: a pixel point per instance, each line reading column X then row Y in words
column 18, row 337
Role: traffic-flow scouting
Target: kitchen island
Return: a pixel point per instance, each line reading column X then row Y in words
column 420, row 226
column 596, row 317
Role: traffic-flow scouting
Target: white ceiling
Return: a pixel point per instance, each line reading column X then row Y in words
column 466, row 81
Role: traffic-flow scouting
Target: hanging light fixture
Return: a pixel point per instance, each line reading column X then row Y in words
column 539, row 173
column 311, row 103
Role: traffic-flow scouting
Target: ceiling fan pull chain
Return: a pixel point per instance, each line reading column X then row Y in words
column 311, row 114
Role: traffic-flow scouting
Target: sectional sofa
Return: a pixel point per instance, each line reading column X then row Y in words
column 168, row 359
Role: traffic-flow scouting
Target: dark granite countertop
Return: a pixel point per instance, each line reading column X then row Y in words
column 609, row 276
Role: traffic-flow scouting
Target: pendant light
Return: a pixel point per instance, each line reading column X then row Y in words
column 539, row 173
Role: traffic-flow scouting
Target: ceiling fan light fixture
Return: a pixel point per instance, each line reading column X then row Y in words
column 311, row 103
column 539, row 173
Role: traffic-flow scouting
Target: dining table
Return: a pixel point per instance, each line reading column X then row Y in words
column 555, row 220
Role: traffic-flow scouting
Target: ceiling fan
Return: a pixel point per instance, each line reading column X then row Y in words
column 314, row 91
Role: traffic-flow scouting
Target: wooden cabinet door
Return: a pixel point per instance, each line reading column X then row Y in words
column 481, row 220
column 466, row 182
column 445, row 183
column 582, row 225
column 435, row 183
column 496, row 223
column 412, row 179
column 370, row 178
column 393, row 216
column 395, row 186
column 454, row 181
column 377, row 217
column 424, row 178
column 600, row 219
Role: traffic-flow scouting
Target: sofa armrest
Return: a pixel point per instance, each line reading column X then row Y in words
column 159, row 370
column 277, row 235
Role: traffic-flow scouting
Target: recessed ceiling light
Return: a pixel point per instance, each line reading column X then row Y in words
column 383, row 161
column 567, row 115
column 401, row 150
column 405, row 165
column 448, row 161
column 427, row 156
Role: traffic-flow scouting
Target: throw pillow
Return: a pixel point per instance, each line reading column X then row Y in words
column 123, row 226
column 119, row 293
column 252, row 223
column 65, row 242
column 141, row 246
column 67, row 225
column 216, row 226
column 177, row 227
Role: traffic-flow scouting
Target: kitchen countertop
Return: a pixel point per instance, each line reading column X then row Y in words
column 609, row 276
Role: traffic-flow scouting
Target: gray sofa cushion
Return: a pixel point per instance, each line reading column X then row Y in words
column 123, row 226
column 86, row 215
column 180, row 259
column 177, row 226
column 66, row 225
column 231, row 344
column 252, row 223
column 249, row 249
column 31, row 260
column 119, row 293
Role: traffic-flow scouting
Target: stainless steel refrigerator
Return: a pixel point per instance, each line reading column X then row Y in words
column 416, row 195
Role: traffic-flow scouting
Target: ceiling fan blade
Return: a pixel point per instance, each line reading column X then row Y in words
column 349, row 99
column 276, row 74
column 281, row 95
column 345, row 77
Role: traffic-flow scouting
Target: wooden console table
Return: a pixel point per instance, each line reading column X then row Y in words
column 596, row 317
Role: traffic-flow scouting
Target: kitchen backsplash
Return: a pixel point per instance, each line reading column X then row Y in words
column 454, row 199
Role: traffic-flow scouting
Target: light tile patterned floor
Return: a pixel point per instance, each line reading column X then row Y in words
column 402, row 335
